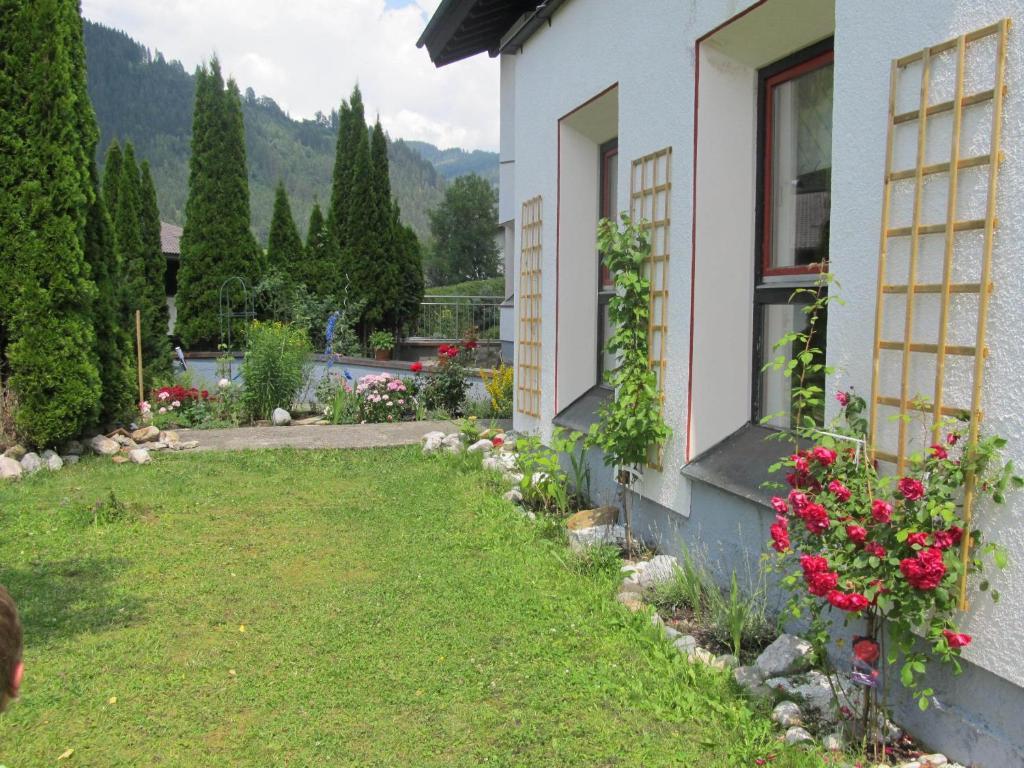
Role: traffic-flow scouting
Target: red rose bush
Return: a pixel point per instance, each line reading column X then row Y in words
column 855, row 543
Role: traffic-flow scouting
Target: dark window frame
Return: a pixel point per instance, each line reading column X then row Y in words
column 607, row 152
column 806, row 60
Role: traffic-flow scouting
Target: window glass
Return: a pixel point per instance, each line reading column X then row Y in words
column 607, row 205
column 776, row 390
column 800, row 169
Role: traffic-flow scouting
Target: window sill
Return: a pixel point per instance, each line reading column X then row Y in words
column 739, row 464
column 582, row 412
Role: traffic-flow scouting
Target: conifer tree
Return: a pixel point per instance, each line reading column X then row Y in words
column 217, row 243
column 156, row 347
column 318, row 270
column 284, row 246
column 110, row 321
column 46, row 189
column 112, row 177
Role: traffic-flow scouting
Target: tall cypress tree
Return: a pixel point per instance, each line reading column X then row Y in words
column 112, row 177
column 156, row 347
column 319, row 266
column 362, row 257
column 110, row 321
column 46, row 189
column 284, row 246
column 217, row 243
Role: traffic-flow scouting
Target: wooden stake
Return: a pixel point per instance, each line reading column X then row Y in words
column 138, row 350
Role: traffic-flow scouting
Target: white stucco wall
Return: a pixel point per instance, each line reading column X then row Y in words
column 868, row 36
column 650, row 54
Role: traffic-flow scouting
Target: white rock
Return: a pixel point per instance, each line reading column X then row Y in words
column 702, row 656
column 31, row 462
column 631, row 584
column 933, row 760
column 45, row 455
column 15, row 452
column 439, row 436
column 431, row 443
column 157, row 446
column 71, row 458
column 453, row 443
column 786, row 655
column 169, row 437
column 280, row 417
column 686, row 644
column 748, row 677
column 188, row 445
column 516, row 478
column 146, row 434
column 139, row 456
column 672, row 633
column 787, row 714
column 797, row 735
column 124, row 441
column 660, row 569
column 833, row 742
column 815, row 691
column 515, row 496
column 54, row 463
column 584, row 538
column 911, row 764
column 539, row 478
column 481, row 446
column 9, row 468
column 726, row 661
column 73, row 448
column 632, row 568
column 656, row 620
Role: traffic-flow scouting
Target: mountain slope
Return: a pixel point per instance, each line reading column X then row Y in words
column 455, row 162
column 143, row 98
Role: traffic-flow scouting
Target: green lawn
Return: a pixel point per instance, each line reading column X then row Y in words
column 396, row 612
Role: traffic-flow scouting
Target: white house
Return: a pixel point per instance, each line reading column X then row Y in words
column 755, row 137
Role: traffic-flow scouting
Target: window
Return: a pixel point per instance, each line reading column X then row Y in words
column 607, row 203
column 795, row 181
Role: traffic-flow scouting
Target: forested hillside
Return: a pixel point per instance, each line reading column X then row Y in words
column 146, row 99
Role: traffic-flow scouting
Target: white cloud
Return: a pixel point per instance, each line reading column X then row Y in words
column 307, row 55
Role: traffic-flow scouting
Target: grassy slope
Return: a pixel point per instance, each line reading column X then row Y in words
column 396, row 612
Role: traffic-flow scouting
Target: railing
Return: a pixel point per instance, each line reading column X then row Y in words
column 449, row 318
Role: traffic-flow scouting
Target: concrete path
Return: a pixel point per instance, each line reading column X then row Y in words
column 315, row 436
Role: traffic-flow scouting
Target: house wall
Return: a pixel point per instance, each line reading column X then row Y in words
column 652, row 55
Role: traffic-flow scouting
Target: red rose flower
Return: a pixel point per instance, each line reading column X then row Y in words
column 956, row 639
column 815, row 518
column 874, row 548
column 470, row 344
column 952, row 438
column 847, row 601
column 856, row 533
column 800, row 462
column 497, row 441
column 842, row 398
column 911, row 489
column 919, row 538
column 957, row 533
column 824, row 456
column 881, row 511
column 866, row 649
column 453, row 351
column 820, row 584
column 443, row 350
column 938, row 452
column 813, row 564
column 779, row 505
column 839, row 490
column 924, row 571
column 416, row 367
column 780, row 535
column 798, row 499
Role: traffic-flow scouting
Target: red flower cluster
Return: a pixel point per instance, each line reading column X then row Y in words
column 847, row 601
column 938, row 452
column 874, row 548
column 179, row 393
column 820, row 580
column 815, row 517
column 448, row 351
column 948, row 538
column 856, row 533
column 839, row 490
column 866, row 649
column 779, row 531
column 919, row 539
column 911, row 489
column 924, row 571
column 416, row 367
column 881, row 511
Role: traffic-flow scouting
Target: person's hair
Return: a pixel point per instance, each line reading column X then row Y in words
column 10, row 641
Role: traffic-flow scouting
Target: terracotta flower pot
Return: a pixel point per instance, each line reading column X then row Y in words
column 382, row 354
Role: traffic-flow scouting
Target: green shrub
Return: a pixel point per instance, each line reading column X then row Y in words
column 275, row 368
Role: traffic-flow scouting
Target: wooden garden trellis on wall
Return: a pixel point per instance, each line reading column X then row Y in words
column 952, row 283
column 528, row 342
column 650, row 190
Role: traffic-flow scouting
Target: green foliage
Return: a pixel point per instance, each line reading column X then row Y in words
column 445, row 390
column 499, row 386
column 275, row 368
column 545, row 485
column 382, row 340
column 491, row 286
column 284, row 248
column 217, row 243
column 110, row 322
column 156, row 347
column 47, row 341
column 632, row 423
column 321, row 261
column 463, row 229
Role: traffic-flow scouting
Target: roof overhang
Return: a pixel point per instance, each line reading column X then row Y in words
column 463, row 28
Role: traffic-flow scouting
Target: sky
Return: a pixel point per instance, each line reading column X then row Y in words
column 307, row 55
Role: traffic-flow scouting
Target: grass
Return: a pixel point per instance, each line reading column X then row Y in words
column 346, row 608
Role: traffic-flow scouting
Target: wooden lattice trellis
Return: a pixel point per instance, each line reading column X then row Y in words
column 528, row 342
column 904, row 401
column 650, row 199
